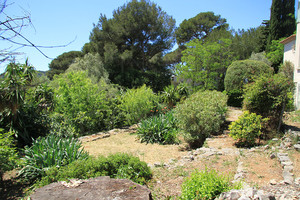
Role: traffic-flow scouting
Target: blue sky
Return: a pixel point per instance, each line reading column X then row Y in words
column 57, row 22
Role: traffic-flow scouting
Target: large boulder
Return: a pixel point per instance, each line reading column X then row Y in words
column 103, row 188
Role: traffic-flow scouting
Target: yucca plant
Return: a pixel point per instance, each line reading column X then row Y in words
column 158, row 129
column 47, row 152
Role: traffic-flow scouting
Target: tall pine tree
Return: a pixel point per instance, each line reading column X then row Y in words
column 282, row 20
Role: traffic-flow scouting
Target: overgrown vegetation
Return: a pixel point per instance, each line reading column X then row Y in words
column 122, row 77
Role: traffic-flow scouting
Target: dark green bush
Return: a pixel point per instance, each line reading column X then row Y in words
column 116, row 166
column 200, row 115
column 160, row 129
column 247, row 128
column 243, row 72
column 205, row 185
column 50, row 151
column 268, row 97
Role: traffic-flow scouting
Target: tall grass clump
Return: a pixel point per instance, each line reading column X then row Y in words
column 201, row 115
column 50, row 151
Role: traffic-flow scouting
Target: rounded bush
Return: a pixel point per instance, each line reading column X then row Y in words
column 200, row 115
column 205, row 185
column 240, row 73
column 247, row 128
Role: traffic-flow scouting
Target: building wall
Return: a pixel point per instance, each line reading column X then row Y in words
column 289, row 52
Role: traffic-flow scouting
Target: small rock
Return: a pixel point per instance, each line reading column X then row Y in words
column 275, row 139
column 273, row 182
column 244, row 198
column 288, row 168
column 286, row 163
column 272, row 156
column 297, row 181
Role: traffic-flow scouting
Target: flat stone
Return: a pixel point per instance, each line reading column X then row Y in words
column 282, row 154
column 284, row 159
column 297, row 147
column 286, row 163
column 287, row 177
column 94, row 189
column 288, row 168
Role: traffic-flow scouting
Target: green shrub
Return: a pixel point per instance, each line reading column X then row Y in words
column 81, row 102
column 137, row 103
column 205, row 185
column 47, row 152
column 243, row 72
column 8, row 155
column 116, row 166
column 200, row 115
column 247, row 128
column 174, row 94
column 158, row 129
column 268, row 97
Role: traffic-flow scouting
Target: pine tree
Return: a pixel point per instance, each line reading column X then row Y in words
column 282, row 20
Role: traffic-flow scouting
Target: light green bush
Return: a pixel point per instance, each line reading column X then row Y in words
column 81, row 102
column 137, row 104
column 47, row 152
column 200, row 115
column 116, row 166
column 205, row 185
column 247, row 128
column 8, row 155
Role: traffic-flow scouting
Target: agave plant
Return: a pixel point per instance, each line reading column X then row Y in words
column 50, row 151
column 160, row 129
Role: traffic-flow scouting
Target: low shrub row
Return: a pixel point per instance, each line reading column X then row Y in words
column 116, row 166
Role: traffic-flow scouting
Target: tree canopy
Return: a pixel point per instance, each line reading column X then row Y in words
column 199, row 27
column 132, row 42
column 282, row 20
column 204, row 65
column 62, row 62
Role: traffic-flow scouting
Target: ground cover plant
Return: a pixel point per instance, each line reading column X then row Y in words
column 118, row 165
column 201, row 115
column 160, row 129
column 47, row 152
